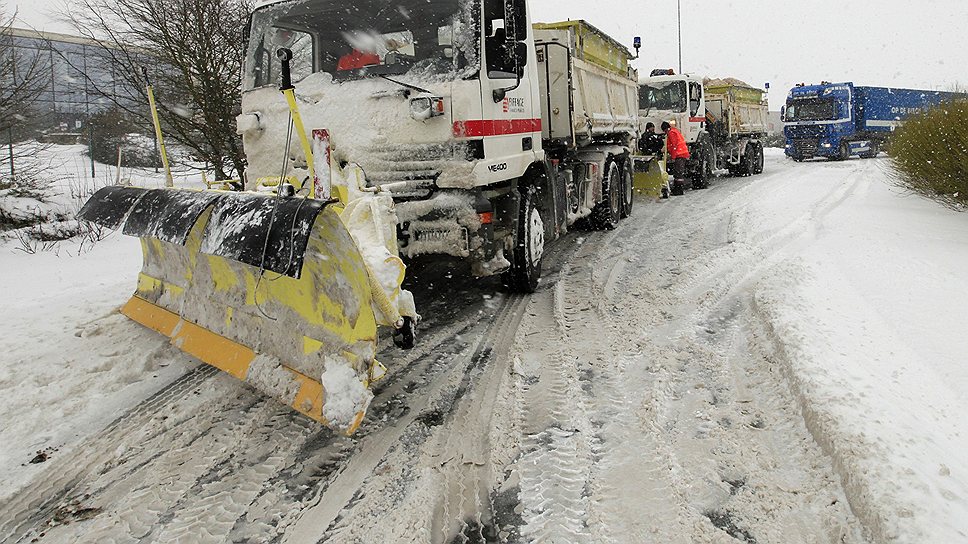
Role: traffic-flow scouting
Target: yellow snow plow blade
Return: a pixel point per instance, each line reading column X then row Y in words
column 272, row 290
column 649, row 175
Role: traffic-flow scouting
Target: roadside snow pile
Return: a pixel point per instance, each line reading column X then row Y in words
column 71, row 363
column 868, row 308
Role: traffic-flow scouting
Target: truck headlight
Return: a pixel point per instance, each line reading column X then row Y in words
column 425, row 107
column 248, row 122
column 827, row 145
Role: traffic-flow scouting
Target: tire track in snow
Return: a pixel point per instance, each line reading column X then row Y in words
column 113, row 480
column 692, row 437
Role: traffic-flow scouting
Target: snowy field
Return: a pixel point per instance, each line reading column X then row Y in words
column 775, row 359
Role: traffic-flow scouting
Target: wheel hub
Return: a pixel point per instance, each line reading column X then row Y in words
column 536, row 236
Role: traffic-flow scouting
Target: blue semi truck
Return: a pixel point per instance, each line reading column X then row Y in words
column 838, row 120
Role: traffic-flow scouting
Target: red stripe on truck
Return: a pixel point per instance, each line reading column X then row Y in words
column 495, row 127
column 697, row 119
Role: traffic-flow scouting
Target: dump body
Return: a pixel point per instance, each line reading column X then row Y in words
column 742, row 108
column 584, row 84
column 837, row 120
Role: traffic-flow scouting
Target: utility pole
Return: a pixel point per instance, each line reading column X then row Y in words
column 679, row 20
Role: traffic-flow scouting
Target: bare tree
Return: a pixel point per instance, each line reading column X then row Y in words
column 22, row 75
column 194, row 51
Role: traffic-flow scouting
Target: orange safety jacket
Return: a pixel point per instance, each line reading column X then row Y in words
column 676, row 144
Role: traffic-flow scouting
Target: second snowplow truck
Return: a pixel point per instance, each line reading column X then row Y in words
column 443, row 127
column 722, row 120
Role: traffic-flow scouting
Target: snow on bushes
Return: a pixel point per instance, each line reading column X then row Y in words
column 930, row 153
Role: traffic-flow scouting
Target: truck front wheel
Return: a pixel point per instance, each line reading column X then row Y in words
column 844, row 152
column 525, row 269
column 704, row 168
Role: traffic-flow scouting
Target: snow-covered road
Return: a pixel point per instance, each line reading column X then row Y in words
column 775, row 359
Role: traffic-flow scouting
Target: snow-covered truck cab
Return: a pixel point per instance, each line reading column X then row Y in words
column 437, row 104
column 664, row 96
column 721, row 120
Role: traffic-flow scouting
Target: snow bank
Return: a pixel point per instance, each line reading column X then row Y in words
column 868, row 313
column 70, row 363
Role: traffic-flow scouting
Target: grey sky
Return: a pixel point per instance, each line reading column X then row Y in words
column 901, row 43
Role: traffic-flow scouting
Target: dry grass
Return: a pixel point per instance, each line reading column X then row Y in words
column 930, row 154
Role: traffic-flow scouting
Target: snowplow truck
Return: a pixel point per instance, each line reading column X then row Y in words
column 722, row 120
column 490, row 135
column 413, row 128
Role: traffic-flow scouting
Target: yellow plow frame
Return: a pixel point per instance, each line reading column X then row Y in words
column 271, row 290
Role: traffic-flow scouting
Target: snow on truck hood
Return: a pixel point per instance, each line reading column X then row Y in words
column 369, row 123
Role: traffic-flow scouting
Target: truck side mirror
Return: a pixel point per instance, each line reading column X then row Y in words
column 521, row 53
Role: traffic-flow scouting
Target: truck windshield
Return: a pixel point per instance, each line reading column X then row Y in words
column 667, row 95
column 812, row 109
column 425, row 39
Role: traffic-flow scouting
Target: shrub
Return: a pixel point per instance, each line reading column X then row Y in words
column 930, row 153
column 111, row 130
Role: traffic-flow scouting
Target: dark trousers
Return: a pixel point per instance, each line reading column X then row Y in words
column 679, row 169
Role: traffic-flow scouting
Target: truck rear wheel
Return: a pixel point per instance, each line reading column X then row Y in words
column 525, row 269
column 627, row 195
column 758, row 159
column 875, row 149
column 606, row 214
column 747, row 162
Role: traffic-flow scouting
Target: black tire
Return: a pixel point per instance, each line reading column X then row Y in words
column 746, row 163
column 875, row 149
column 664, row 192
column 758, row 160
column 525, row 269
column 797, row 158
column 704, row 170
column 607, row 213
column 844, row 152
column 627, row 191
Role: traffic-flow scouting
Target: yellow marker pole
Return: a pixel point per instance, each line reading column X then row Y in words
column 290, row 95
column 154, row 118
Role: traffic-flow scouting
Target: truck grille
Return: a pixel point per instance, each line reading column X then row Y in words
column 805, row 147
column 412, row 162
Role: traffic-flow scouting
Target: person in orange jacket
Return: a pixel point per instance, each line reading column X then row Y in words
column 678, row 154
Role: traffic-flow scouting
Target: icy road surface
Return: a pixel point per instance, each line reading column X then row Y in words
column 774, row 359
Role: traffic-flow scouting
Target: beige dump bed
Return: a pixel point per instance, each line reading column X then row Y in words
column 586, row 85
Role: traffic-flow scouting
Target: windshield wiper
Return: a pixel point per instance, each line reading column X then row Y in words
column 407, row 85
